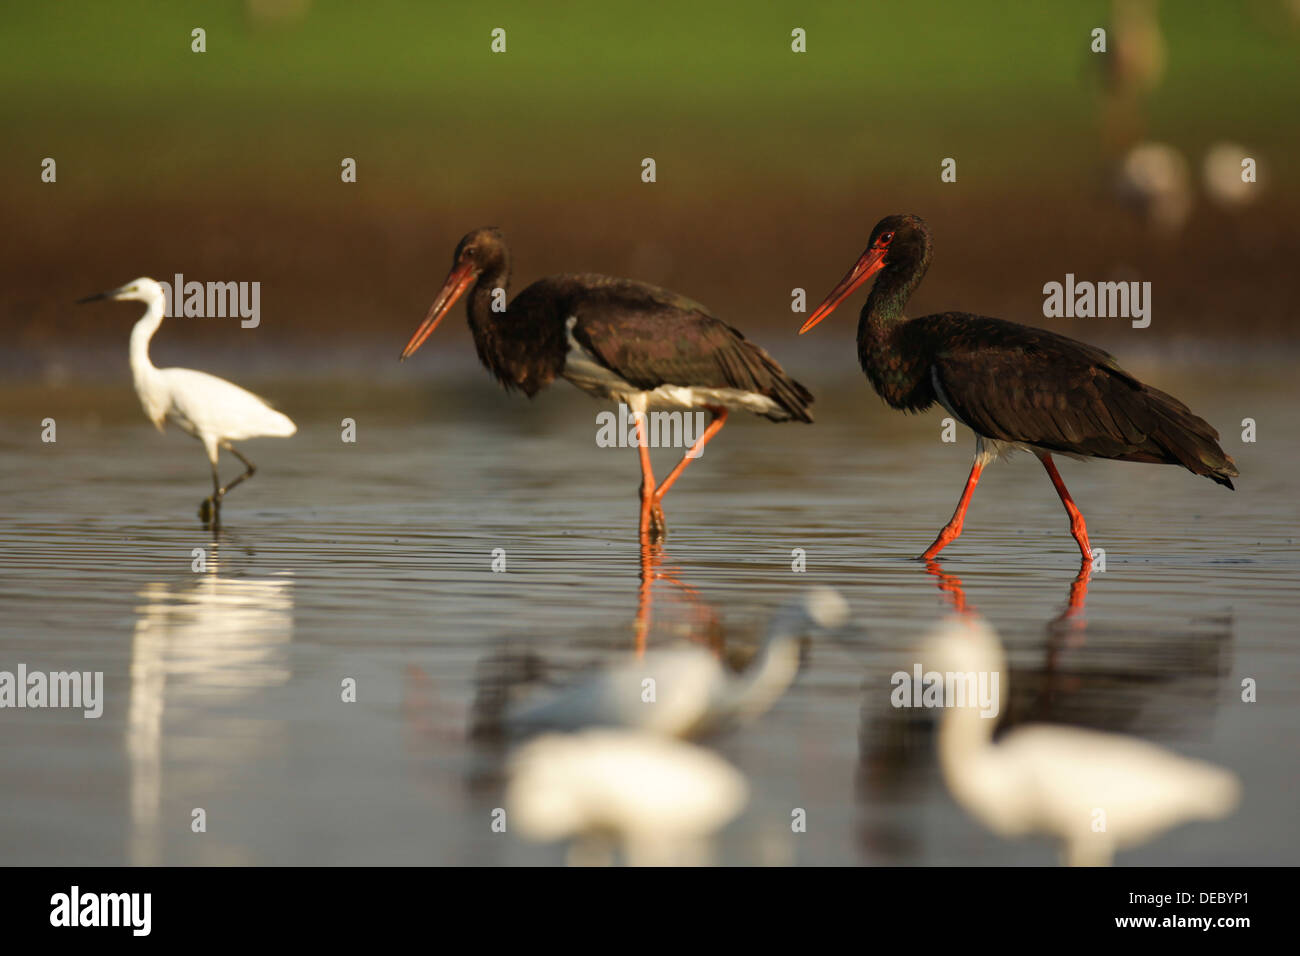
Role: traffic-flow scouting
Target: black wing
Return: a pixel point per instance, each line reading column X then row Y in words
column 1016, row 383
column 652, row 337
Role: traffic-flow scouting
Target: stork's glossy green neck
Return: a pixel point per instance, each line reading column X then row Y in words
column 894, row 286
column 481, row 313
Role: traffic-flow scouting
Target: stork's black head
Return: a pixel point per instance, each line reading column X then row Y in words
column 898, row 243
column 905, row 240
column 483, row 250
column 480, row 253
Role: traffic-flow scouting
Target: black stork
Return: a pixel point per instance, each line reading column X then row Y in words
column 1016, row 387
column 614, row 339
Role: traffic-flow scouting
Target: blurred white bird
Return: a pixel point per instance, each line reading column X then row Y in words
column 1222, row 173
column 214, row 411
column 1095, row 792
column 686, row 691
column 660, row 799
column 1156, row 180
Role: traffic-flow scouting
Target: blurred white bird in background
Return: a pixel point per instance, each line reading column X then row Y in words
column 1095, row 792
column 1155, row 180
column 658, row 800
column 214, row 411
column 1222, row 174
column 686, row 691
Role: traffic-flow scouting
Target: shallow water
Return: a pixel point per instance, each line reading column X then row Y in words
column 373, row 561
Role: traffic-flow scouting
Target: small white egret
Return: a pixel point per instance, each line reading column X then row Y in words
column 1095, row 792
column 686, row 691
column 1155, row 179
column 659, row 799
column 1222, row 173
column 214, row 411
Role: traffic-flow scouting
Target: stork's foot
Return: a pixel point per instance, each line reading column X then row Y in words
column 658, row 526
column 653, row 524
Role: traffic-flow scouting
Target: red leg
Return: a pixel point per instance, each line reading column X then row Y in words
column 1077, row 526
column 950, row 584
column 715, row 426
column 647, row 475
column 650, row 557
column 952, row 529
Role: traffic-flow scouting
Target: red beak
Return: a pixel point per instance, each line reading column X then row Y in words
column 458, row 280
column 872, row 261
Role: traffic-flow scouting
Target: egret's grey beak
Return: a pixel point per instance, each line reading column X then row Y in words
column 111, row 293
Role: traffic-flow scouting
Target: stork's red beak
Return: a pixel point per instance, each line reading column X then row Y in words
column 457, row 282
column 872, row 261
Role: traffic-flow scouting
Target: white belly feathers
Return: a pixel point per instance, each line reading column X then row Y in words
column 587, row 373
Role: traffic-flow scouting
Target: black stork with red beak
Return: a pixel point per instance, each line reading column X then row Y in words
column 1016, row 387
column 614, row 339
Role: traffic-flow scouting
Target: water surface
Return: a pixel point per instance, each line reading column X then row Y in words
column 373, row 561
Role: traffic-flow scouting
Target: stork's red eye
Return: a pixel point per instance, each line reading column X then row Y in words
column 885, row 239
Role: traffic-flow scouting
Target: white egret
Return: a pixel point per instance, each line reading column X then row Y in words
column 1222, row 173
column 660, row 799
column 1156, row 180
column 686, row 691
column 214, row 411
column 1095, row 792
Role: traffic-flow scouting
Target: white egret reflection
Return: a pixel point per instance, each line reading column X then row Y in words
column 200, row 646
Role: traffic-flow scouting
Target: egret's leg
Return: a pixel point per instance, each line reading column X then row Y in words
column 210, row 508
column 247, row 464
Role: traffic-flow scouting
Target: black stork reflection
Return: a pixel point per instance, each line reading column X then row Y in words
column 1016, row 387
column 614, row 339
column 1070, row 617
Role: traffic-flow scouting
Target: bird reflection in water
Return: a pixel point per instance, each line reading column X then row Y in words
column 706, row 627
column 600, row 760
column 514, row 679
column 1071, row 615
column 212, row 642
column 658, row 798
column 685, row 690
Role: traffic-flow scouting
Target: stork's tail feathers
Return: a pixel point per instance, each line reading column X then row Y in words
column 774, row 382
column 1187, row 439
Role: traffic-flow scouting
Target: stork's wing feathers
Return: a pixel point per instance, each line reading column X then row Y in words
column 652, row 337
column 1021, row 384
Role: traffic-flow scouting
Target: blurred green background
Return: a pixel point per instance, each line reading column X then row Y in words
column 772, row 166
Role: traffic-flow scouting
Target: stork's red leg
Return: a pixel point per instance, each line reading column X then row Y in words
column 952, row 529
column 650, row 556
column 1077, row 526
column 647, row 475
column 715, row 426
column 950, row 584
